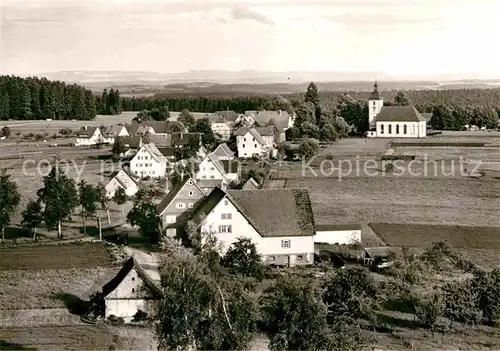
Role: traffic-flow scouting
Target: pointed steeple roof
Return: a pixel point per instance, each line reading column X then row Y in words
column 374, row 95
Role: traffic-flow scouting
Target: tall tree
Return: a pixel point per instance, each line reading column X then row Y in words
column 4, row 106
column 243, row 259
column 144, row 214
column 32, row 216
column 9, row 200
column 88, row 199
column 103, row 200
column 295, row 316
column 204, row 127
column 118, row 147
column 186, row 118
column 59, row 197
column 401, row 99
column 312, row 94
column 200, row 310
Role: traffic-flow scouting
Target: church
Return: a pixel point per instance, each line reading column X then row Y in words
column 393, row 121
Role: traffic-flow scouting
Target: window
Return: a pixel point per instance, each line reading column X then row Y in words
column 190, row 205
column 405, row 130
column 133, row 278
column 171, row 219
column 180, row 205
column 226, row 216
column 244, row 139
column 381, row 129
column 190, row 193
column 271, row 258
column 212, row 168
column 226, row 202
column 397, row 128
column 253, row 139
column 204, row 177
column 190, row 182
column 299, row 257
column 255, row 145
column 390, row 129
column 225, row 229
column 374, row 103
column 285, row 244
column 133, row 290
column 171, row 232
column 243, row 146
column 212, row 177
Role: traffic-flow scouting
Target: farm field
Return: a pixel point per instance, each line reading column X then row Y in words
column 87, row 255
column 426, row 235
column 466, row 202
column 53, row 276
column 75, row 338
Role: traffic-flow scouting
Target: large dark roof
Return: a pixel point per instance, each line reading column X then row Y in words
column 276, row 212
column 399, row 114
column 127, row 267
column 207, row 205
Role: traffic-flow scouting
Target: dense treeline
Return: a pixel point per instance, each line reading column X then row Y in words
column 452, row 109
column 196, row 104
column 39, row 98
column 109, row 103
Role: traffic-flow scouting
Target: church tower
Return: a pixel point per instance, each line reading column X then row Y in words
column 375, row 104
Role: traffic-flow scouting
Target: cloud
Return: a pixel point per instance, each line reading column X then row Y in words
column 243, row 13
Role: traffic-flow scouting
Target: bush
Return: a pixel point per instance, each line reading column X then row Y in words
column 428, row 309
column 308, row 148
column 140, row 316
column 462, row 302
column 96, row 306
column 389, row 167
column 5, row 132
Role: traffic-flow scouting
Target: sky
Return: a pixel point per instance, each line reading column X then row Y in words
column 400, row 37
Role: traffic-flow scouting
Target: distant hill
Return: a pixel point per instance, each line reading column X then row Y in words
column 248, row 81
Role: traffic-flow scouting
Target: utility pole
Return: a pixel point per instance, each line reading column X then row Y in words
column 100, row 228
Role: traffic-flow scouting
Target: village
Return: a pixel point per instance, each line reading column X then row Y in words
column 242, row 185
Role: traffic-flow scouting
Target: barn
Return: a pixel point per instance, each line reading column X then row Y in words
column 130, row 291
column 338, row 234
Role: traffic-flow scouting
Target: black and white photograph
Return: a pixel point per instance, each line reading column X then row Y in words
column 270, row 175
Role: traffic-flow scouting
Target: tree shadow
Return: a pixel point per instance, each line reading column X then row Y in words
column 73, row 303
column 5, row 345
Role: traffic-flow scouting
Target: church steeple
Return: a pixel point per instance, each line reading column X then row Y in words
column 374, row 95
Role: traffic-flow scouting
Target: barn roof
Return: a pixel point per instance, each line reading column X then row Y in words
column 130, row 264
column 336, row 227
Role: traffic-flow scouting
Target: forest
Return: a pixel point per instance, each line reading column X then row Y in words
column 39, row 98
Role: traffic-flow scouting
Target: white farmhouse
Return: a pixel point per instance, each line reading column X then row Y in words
column 124, row 180
column 250, row 143
column 279, row 221
column 149, row 162
column 214, row 168
column 114, row 132
column 220, row 126
column 393, row 121
column 88, row 136
column 338, row 234
column 130, row 291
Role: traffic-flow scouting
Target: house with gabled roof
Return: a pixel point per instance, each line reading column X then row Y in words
column 149, row 162
column 175, row 207
column 124, row 180
column 251, row 184
column 281, row 118
column 393, row 121
column 220, row 126
column 112, row 133
column 211, row 167
column 133, row 289
column 250, row 143
column 207, row 185
column 88, row 136
column 223, row 152
column 279, row 221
